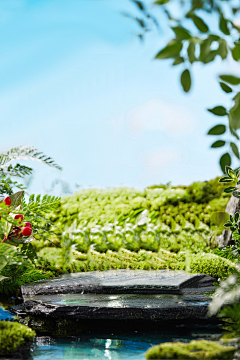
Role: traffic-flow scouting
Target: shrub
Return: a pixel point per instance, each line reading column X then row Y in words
column 211, row 264
column 196, row 349
column 13, row 335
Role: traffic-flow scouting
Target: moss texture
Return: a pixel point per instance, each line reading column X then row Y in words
column 192, row 203
column 196, row 349
column 13, row 335
column 210, row 264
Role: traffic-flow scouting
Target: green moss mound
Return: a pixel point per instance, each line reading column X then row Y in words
column 213, row 265
column 13, row 335
column 210, row 264
column 196, row 349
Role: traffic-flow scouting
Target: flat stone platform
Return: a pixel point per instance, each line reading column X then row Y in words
column 119, row 282
column 120, row 295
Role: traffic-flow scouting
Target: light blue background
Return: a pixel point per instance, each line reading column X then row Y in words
column 76, row 82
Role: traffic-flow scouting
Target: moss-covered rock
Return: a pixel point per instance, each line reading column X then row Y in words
column 13, row 337
column 211, row 264
column 196, row 349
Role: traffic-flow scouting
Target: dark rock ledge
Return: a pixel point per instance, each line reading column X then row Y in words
column 128, row 295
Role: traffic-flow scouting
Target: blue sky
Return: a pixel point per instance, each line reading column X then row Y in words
column 76, row 82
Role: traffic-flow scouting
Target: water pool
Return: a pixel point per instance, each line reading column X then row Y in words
column 119, row 344
column 113, row 346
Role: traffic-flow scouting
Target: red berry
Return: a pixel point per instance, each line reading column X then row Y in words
column 19, row 216
column 7, row 200
column 26, row 231
column 28, row 224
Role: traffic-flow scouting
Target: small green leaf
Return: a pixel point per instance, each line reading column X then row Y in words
column 3, row 262
column 191, row 51
column 139, row 4
column 233, row 132
column 140, row 22
column 16, row 199
column 229, row 189
column 235, row 150
column 186, row 80
column 178, row 60
column 230, row 79
column 222, row 49
column 236, row 217
column 225, row 87
column 225, row 179
column 161, row 2
column 227, row 225
column 218, row 110
column 217, row 130
column 172, row 50
column 200, row 24
column 225, row 160
column 236, row 52
column 3, row 277
column 181, row 33
column 219, row 218
column 218, row 144
column 236, row 194
column 223, row 25
column 230, row 172
column 234, row 113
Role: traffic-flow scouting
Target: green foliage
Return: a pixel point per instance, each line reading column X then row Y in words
column 211, row 264
column 199, row 44
column 195, row 349
column 7, row 170
column 17, row 267
column 225, row 303
column 230, row 252
column 13, row 335
column 52, row 259
column 95, row 207
column 17, row 254
column 231, row 315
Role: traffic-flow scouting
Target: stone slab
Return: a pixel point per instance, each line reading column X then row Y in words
column 119, row 282
column 191, row 305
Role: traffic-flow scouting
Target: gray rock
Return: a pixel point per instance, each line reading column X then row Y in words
column 119, row 306
column 119, row 282
column 119, row 295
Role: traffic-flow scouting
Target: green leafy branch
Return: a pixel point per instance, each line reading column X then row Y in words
column 7, row 170
column 202, row 46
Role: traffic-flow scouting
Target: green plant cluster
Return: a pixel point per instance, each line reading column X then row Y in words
column 95, row 206
column 52, row 259
column 176, row 218
column 16, row 267
column 17, row 254
column 194, row 44
column 13, row 335
column 195, row 349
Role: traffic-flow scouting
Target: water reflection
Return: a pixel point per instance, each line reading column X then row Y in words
column 88, row 349
column 118, row 345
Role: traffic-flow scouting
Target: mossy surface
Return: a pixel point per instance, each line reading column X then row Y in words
column 209, row 264
column 13, row 335
column 180, row 215
column 196, row 349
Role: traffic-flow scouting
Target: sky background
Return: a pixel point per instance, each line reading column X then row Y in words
column 78, row 84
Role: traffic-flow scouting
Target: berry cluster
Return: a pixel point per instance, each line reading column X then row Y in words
column 17, row 232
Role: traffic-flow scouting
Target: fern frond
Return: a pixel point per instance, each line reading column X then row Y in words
column 25, row 153
column 17, row 170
